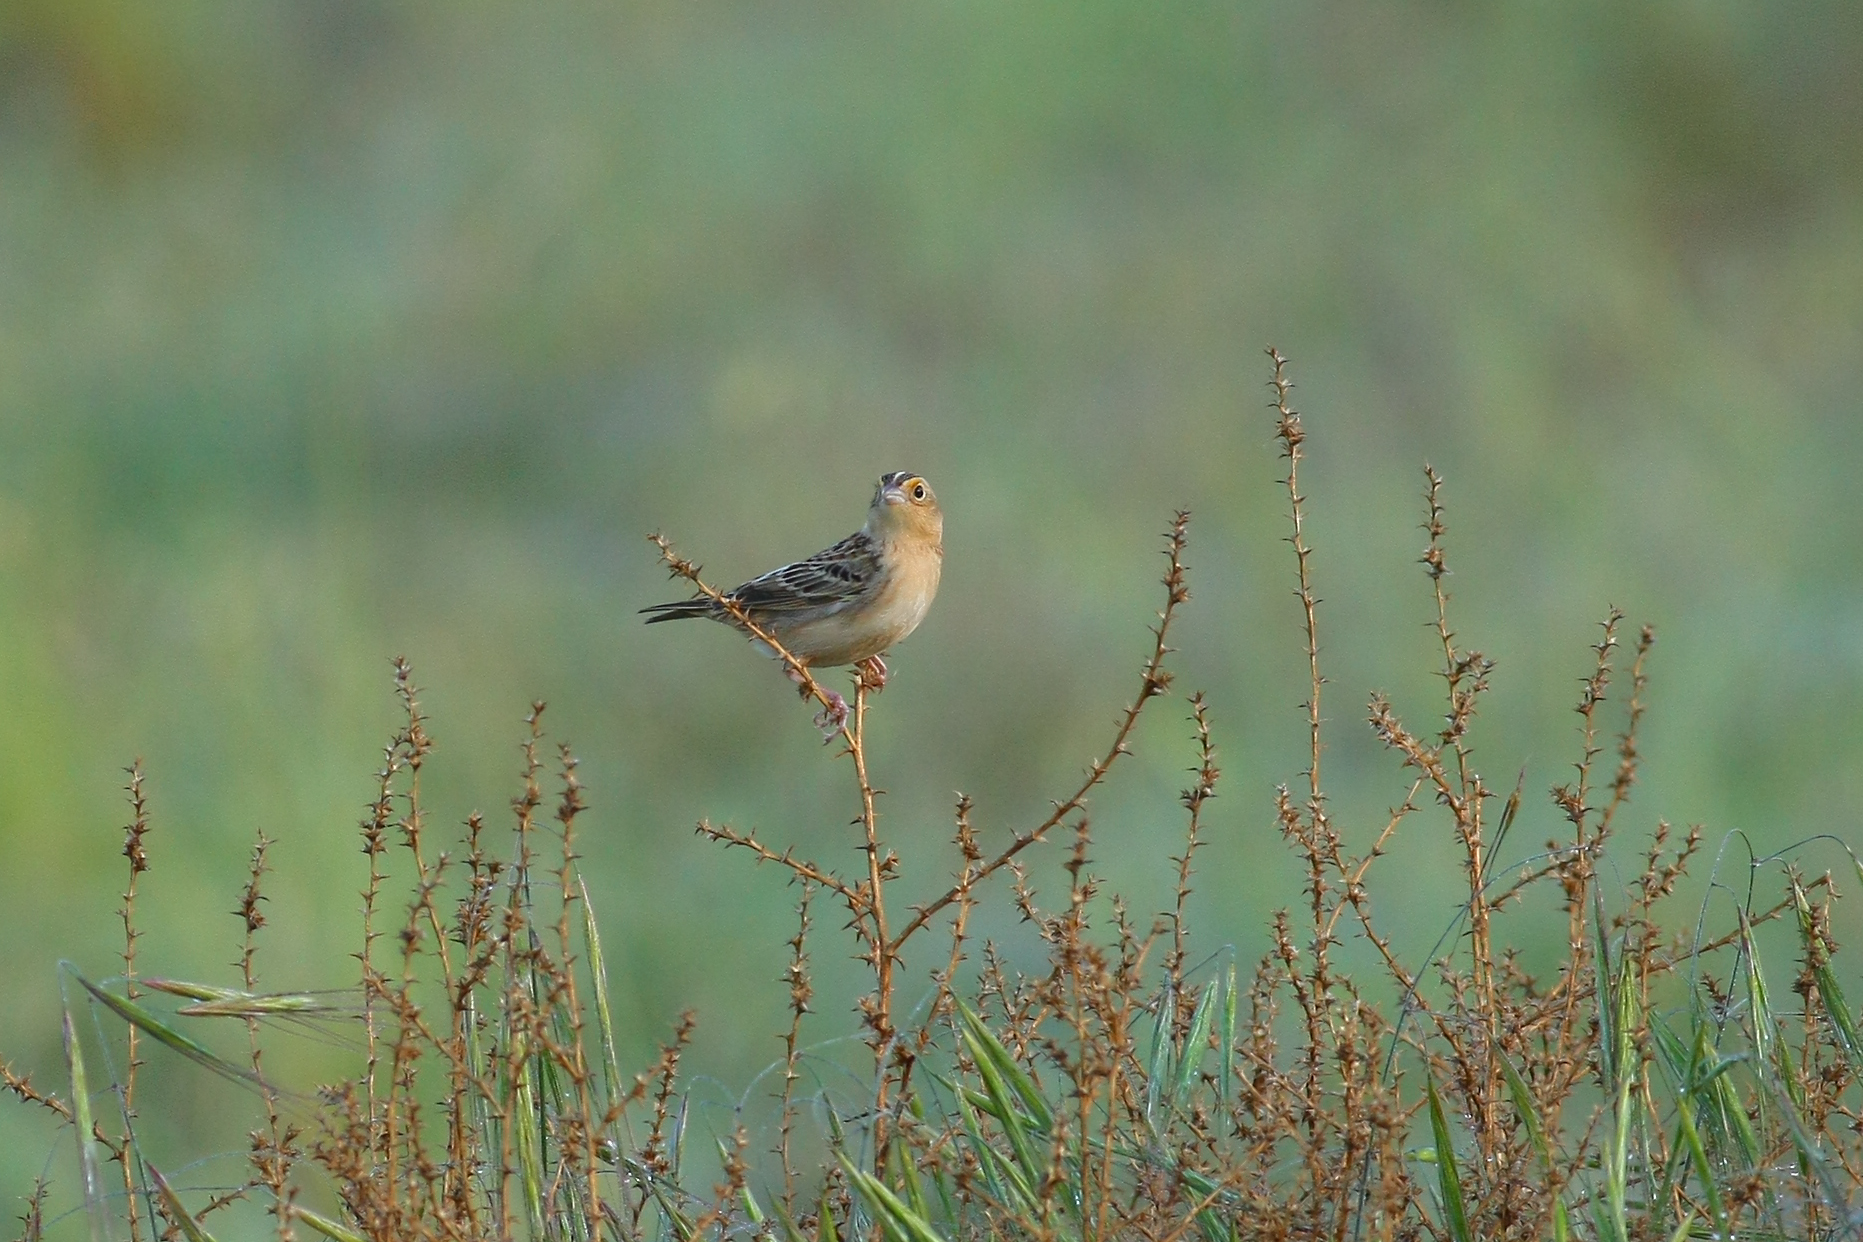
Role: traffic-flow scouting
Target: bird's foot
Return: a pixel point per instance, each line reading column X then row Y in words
column 870, row 674
column 832, row 718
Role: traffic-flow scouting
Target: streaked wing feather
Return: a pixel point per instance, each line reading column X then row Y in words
column 833, row 577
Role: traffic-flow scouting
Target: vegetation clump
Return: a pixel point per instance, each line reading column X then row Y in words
column 1652, row 1084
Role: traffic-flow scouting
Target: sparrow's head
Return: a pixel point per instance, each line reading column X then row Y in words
column 904, row 507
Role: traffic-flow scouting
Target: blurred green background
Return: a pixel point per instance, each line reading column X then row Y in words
column 338, row 330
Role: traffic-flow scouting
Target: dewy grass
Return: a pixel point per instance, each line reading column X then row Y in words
column 1649, row 1086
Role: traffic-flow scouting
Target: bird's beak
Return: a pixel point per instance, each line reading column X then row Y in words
column 894, row 495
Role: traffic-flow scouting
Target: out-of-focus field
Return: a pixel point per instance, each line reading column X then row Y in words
column 336, row 331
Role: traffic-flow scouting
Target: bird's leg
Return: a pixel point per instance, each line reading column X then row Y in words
column 830, row 719
column 870, row 673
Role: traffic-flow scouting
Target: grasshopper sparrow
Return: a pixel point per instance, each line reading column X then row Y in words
column 849, row 603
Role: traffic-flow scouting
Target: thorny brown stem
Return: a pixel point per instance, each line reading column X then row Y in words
column 801, row 992
column 136, row 851
column 1465, row 677
column 402, row 749
column 878, row 1009
column 1292, row 435
column 805, row 871
column 1312, row 828
column 567, row 999
column 274, row 1151
column 1201, row 791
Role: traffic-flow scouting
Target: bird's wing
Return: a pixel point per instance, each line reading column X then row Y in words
column 831, row 579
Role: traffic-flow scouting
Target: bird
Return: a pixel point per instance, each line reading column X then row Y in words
column 848, row 604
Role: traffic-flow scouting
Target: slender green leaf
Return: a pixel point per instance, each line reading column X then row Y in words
column 1829, row 992
column 1013, row 1074
column 1758, row 1003
column 1228, row 1050
column 1605, row 977
column 1450, row 1181
column 190, row 1227
column 327, row 1227
column 790, row 1232
column 995, row 1168
column 525, row 1138
column 1026, row 1155
column 598, row 978
column 167, row 1036
column 1209, row 1221
column 1192, row 1056
column 900, row 1220
column 1812, row 1160
column 1158, row 1066
column 264, row 1005
column 1616, row 1163
column 1536, row 1134
column 88, row 1172
column 906, row 1174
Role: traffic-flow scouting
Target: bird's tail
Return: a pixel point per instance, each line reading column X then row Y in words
column 680, row 609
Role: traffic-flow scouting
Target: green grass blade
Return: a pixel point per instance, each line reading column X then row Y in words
column 327, row 1227
column 89, row 1174
column 995, row 1168
column 676, row 1220
column 906, row 1174
column 1014, row 1076
column 1731, row 1114
column 1192, row 1056
column 1027, row 1158
column 1536, row 1134
column 901, row 1222
column 1209, row 1222
column 1228, row 1051
column 190, row 1228
column 525, row 1139
column 166, row 1035
column 265, row 1005
column 1677, row 1060
column 1448, row 1178
column 598, row 979
column 788, row 1222
column 1158, row 1065
column 1704, row 1172
column 1812, row 1161
column 1524, row 1109
column 824, row 1227
column 1606, row 978
column 1622, row 1105
column 1759, row 1005
column 1829, row 992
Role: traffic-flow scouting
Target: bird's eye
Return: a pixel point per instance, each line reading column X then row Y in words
column 918, row 491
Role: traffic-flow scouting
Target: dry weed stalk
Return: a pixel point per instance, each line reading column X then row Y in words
column 866, row 899
column 1647, row 1087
